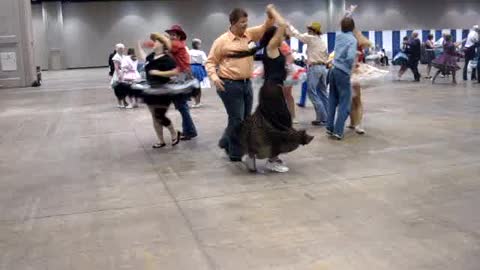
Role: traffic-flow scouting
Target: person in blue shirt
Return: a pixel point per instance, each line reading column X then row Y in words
column 340, row 87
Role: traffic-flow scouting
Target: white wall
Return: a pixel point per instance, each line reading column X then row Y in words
column 16, row 37
column 92, row 28
column 39, row 37
column 416, row 14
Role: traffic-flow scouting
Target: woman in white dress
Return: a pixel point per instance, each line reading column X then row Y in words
column 131, row 76
column 198, row 58
column 117, row 77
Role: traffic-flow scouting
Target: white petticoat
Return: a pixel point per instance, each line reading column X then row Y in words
column 295, row 75
column 366, row 74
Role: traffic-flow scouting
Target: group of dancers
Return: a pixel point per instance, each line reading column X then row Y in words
column 442, row 55
column 268, row 132
column 172, row 74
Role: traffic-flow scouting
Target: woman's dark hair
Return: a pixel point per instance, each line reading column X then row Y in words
column 448, row 37
column 430, row 36
column 267, row 36
column 131, row 52
column 347, row 24
column 237, row 14
column 405, row 38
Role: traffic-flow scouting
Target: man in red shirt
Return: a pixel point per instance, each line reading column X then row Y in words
column 182, row 58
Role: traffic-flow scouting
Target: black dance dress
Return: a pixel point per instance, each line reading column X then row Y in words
column 269, row 132
column 163, row 63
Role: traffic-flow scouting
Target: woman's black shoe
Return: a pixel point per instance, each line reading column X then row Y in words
column 177, row 140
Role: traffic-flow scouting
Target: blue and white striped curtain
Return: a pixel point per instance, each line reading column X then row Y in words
column 390, row 40
column 379, row 39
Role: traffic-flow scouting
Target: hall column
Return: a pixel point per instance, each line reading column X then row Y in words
column 336, row 10
column 53, row 23
column 17, row 67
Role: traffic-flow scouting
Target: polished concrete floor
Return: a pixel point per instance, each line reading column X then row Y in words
column 81, row 187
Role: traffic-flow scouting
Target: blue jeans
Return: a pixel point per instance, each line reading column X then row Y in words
column 317, row 90
column 238, row 101
column 303, row 96
column 341, row 96
column 188, row 127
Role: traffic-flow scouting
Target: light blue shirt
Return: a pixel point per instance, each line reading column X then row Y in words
column 345, row 52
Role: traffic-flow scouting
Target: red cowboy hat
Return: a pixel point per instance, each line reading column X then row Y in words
column 177, row 29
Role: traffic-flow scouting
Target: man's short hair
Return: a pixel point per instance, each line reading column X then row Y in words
column 237, row 14
column 347, row 24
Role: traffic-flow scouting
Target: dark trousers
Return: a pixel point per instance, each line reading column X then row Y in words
column 413, row 65
column 238, row 101
column 121, row 90
column 188, row 127
column 469, row 55
column 478, row 68
column 384, row 60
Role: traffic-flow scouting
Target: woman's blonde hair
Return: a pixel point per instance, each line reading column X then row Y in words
column 362, row 41
column 162, row 39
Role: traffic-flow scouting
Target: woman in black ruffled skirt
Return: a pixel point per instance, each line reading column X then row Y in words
column 269, row 132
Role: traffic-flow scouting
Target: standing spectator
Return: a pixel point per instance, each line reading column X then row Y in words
column 384, row 58
column 470, row 46
column 198, row 58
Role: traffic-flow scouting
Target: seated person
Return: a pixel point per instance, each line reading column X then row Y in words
column 384, row 58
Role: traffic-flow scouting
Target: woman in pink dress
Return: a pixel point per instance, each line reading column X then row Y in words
column 446, row 63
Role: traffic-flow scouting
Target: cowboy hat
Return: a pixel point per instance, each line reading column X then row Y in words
column 316, row 27
column 177, row 29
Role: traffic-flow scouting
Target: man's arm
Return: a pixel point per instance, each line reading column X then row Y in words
column 305, row 38
column 257, row 32
column 213, row 60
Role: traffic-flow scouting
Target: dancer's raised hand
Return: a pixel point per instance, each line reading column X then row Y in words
column 352, row 8
column 269, row 9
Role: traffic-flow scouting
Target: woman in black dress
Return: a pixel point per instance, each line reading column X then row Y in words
column 159, row 68
column 429, row 54
column 269, row 132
